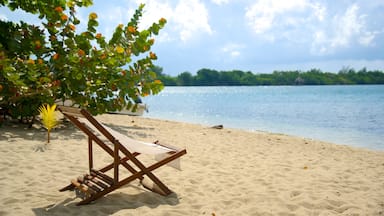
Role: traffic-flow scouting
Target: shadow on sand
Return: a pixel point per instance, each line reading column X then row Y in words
column 109, row 204
column 12, row 131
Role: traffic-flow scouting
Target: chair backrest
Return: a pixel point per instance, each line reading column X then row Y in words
column 129, row 143
column 77, row 115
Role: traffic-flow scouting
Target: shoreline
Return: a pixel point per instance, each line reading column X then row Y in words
column 319, row 137
column 225, row 172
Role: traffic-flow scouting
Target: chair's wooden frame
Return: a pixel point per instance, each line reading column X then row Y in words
column 97, row 183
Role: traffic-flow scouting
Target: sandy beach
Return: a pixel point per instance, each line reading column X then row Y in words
column 225, row 172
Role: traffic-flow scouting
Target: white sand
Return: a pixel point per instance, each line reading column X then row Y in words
column 225, row 172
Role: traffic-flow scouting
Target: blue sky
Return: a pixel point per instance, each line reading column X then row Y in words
column 253, row 35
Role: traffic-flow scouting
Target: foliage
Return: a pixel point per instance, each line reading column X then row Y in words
column 48, row 117
column 53, row 62
column 209, row 77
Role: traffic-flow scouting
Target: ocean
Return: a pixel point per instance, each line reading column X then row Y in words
column 351, row 115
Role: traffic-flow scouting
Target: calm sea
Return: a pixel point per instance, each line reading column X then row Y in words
column 351, row 115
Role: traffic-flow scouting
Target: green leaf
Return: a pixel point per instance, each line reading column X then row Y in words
column 155, row 28
column 77, row 75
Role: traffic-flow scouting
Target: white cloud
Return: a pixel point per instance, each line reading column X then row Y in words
column 191, row 18
column 290, row 21
column 342, row 31
column 310, row 22
column 319, row 11
column 346, row 27
column 153, row 11
column 186, row 18
column 220, row 2
column 367, row 38
column 263, row 14
column 232, row 49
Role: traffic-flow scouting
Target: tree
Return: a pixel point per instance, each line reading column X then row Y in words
column 165, row 79
column 207, row 77
column 185, row 79
column 43, row 64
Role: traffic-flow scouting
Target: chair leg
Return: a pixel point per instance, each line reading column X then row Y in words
column 69, row 187
column 158, row 186
column 154, row 187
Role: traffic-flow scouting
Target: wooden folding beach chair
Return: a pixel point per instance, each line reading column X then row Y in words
column 98, row 182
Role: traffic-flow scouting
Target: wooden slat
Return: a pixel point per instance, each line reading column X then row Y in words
column 122, row 162
column 102, row 176
column 116, row 162
column 90, row 154
column 96, row 181
column 73, row 111
column 81, row 187
column 69, row 187
column 89, row 185
column 173, row 148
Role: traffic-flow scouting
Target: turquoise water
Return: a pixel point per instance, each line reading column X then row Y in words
column 351, row 115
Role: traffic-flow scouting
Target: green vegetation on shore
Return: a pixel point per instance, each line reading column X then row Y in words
column 209, row 77
column 53, row 62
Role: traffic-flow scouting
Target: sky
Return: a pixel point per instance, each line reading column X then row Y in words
column 260, row 36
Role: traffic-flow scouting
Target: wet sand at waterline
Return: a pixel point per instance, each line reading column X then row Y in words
column 225, row 172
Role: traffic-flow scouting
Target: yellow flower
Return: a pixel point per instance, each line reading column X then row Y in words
column 119, row 49
column 48, row 117
column 40, row 61
column 92, row 16
column 70, row 4
column 157, row 81
column 98, row 36
column 120, row 26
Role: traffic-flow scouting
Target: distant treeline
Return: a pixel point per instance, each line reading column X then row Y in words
column 209, row 77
